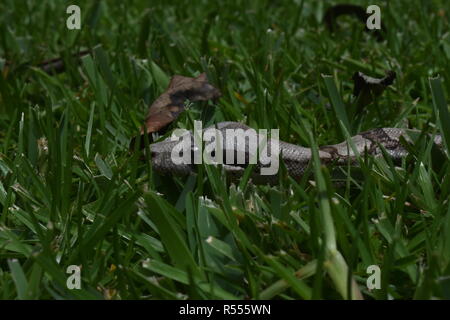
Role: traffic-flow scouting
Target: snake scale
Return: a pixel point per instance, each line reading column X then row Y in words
column 295, row 157
column 166, row 154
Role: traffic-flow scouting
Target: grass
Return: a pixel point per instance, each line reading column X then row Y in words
column 72, row 194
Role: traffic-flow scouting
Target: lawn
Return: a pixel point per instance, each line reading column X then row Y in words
column 72, row 192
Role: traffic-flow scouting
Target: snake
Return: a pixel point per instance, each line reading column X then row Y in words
column 375, row 142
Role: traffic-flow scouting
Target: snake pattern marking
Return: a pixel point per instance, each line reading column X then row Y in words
column 295, row 157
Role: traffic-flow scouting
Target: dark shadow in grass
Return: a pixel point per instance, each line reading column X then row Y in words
column 336, row 11
column 52, row 66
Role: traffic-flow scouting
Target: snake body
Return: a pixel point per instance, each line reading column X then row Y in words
column 295, row 157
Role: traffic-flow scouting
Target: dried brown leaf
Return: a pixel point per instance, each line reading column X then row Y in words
column 171, row 103
column 366, row 89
